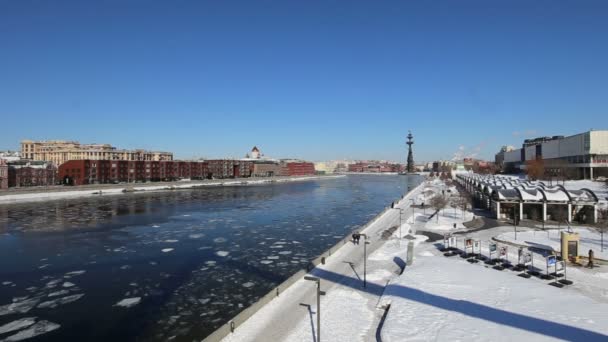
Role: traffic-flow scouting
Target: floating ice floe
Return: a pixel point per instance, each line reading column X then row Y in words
column 219, row 240
column 75, row 273
column 68, row 284
column 39, row 328
column 266, row 262
column 204, row 301
column 171, row 241
column 272, row 257
column 196, row 236
column 58, row 293
column 285, row 252
column 129, row 302
column 155, row 226
column 19, row 307
column 5, row 283
column 125, row 267
column 222, row 253
column 248, row 284
column 166, row 250
column 17, row 325
column 51, row 304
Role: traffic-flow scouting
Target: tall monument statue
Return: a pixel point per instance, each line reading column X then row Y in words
column 410, row 156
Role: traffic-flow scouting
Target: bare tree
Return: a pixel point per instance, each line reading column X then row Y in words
column 535, row 169
column 465, row 202
column 438, row 203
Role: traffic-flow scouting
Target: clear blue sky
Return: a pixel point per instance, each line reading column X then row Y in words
column 310, row 79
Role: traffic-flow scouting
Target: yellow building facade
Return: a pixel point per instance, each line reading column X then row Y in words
column 60, row 151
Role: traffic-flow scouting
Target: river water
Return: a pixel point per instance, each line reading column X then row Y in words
column 169, row 265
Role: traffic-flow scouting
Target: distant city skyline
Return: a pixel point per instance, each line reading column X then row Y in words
column 315, row 80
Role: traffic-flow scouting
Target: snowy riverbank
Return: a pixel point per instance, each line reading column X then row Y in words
column 62, row 193
column 434, row 298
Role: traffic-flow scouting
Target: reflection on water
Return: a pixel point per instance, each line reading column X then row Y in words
column 156, row 265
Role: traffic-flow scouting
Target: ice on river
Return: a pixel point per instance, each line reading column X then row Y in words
column 17, row 325
column 248, row 284
column 129, row 302
column 51, row 304
column 166, row 250
column 75, row 273
column 58, row 293
column 222, row 253
column 37, row 329
column 19, row 307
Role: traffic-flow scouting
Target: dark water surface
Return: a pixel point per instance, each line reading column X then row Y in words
column 182, row 262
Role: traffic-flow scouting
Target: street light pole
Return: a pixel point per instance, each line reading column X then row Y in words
column 400, row 222
column 319, row 294
column 365, row 243
column 413, row 211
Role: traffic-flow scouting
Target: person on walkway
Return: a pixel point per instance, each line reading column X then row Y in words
column 590, row 264
column 354, row 237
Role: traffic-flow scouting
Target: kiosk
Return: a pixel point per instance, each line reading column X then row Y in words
column 570, row 246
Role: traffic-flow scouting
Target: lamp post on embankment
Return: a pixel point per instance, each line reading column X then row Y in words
column 319, row 294
column 365, row 243
column 400, row 222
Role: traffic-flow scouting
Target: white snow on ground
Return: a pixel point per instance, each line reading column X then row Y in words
column 589, row 239
column 439, row 298
column 129, row 302
column 348, row 304
column 445, row 220
column 39, row 328
column 17, row 325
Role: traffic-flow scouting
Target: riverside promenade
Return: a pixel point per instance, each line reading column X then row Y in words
column 18, row 195
column 292, row 315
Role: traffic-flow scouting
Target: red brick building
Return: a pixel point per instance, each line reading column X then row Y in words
column 80, row 172
column 297, row 168
column 31, row 173
column 3, row 174
column 229, row 168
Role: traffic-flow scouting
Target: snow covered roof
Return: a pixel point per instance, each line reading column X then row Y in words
column 531, row 195
column 555, row 195
column 506, row 195
column 582, row 195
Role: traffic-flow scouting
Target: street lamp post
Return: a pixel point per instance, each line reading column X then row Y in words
column 413, row 210
column 319, row 294
column 365, row 243
column 515, row 224
column 400, row 222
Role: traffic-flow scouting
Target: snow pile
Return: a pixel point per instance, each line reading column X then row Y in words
column 446, row 299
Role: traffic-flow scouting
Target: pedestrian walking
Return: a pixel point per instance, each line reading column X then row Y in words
column 354, row 237
column 590, row 264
